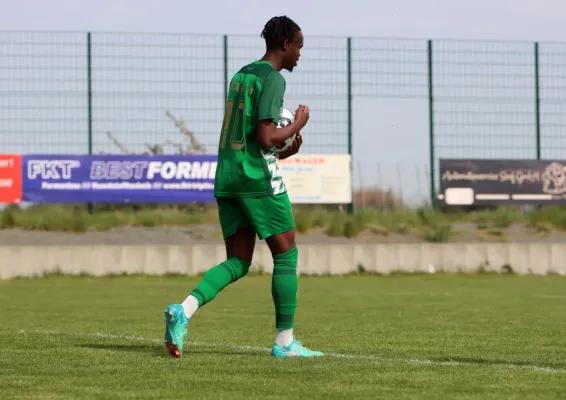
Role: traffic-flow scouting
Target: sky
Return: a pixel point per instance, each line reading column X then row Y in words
column 390, row 117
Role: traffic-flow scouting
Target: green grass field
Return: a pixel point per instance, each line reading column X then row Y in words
column 400, row 336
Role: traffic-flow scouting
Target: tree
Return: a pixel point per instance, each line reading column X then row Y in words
column 190, row 144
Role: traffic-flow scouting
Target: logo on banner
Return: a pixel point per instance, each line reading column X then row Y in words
column 51, row 169
column 166, row 170
column 554, row 179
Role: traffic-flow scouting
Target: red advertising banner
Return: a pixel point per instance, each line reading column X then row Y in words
column 10, row 178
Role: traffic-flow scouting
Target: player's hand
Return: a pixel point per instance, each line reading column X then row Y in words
column 293, row 149
column 302, row 115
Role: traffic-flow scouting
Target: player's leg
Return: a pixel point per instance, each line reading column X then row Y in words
column 239, row 239
column 239, row 252
column 273, row 221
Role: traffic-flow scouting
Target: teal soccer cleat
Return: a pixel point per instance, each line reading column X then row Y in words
column 175, row 329
column 295, row 349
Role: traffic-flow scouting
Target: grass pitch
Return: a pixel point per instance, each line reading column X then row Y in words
column 437, row 336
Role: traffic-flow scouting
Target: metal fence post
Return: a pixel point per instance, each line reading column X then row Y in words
column 226, row 89
column 431, row 126
column 349, row 50
column 89, row 90
column 537, row 99
column 89, row 102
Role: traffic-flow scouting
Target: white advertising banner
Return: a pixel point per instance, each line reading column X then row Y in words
column 318, row 178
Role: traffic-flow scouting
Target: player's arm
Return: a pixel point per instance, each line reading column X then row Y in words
column 269, row 107
column 270, row 136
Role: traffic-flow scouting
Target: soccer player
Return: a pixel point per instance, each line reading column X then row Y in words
column 251, row 195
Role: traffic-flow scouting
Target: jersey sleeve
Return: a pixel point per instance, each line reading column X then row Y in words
column 271, row 98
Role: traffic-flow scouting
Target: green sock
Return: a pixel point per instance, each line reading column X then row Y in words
column 284, row 284
column 218, row 277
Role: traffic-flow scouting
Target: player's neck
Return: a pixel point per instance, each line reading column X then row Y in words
column 273, row 59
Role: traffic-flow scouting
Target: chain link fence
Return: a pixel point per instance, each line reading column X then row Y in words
column 162, row 93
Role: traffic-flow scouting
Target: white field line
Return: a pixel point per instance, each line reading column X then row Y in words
column 112, row 336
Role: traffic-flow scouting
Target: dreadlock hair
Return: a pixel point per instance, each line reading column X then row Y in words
column 278, row 30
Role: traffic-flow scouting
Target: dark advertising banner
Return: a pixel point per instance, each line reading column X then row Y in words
column 491, row 182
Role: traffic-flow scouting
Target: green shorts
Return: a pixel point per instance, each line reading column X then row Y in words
column 268, row 216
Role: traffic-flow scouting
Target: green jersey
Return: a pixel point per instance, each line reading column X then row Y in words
column 244, row 169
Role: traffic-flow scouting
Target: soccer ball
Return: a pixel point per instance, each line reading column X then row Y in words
column 286, row 118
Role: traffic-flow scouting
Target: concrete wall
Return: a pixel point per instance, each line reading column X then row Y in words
column 522, row 258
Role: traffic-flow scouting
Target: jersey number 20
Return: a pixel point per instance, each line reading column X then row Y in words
column 232, row 128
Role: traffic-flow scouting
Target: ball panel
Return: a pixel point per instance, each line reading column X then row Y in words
column 286, row 119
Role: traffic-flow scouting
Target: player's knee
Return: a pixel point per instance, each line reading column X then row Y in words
column 286, row 260
column 238, row 267
column 282, row 242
